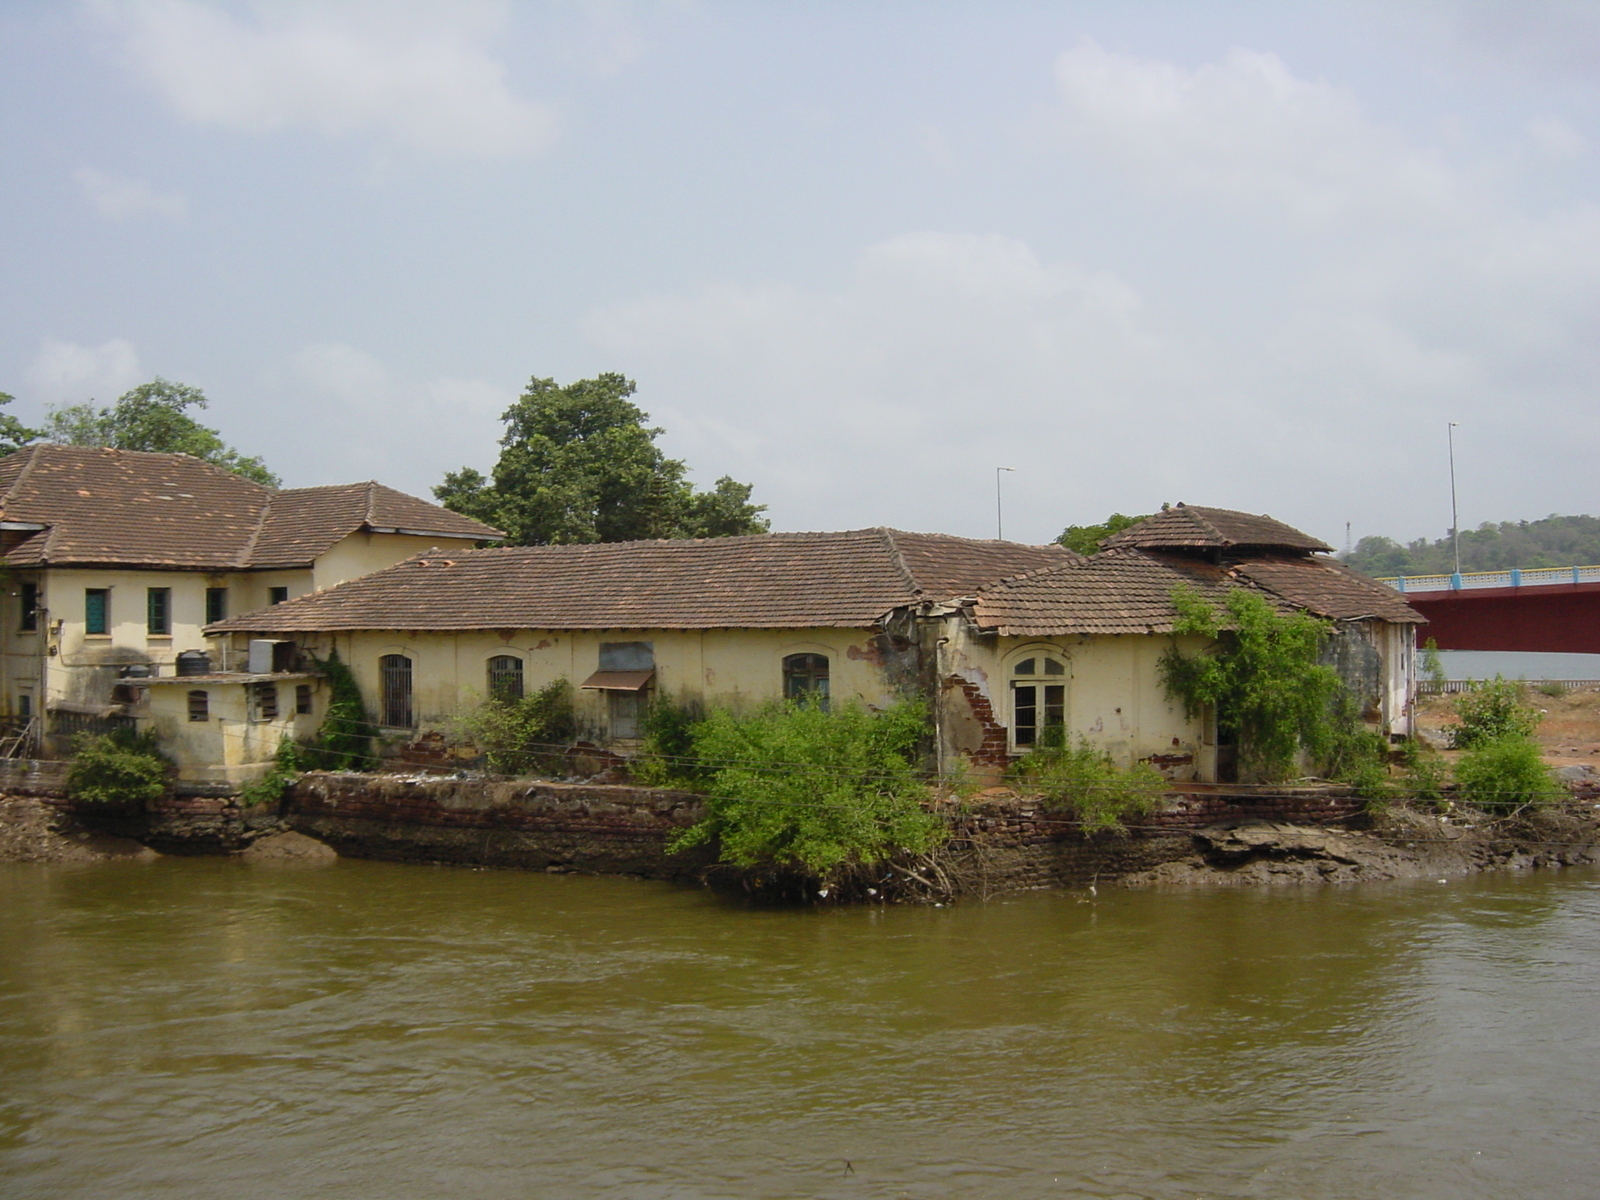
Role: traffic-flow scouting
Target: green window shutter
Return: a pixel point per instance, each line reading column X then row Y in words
column 158, row 610
column 97, row 611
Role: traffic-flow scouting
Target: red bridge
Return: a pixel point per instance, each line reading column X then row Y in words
column 1554, row 609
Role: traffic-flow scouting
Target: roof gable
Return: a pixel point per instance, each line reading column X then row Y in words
column 1189, row 526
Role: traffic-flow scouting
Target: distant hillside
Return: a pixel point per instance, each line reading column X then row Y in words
column 1552, row 542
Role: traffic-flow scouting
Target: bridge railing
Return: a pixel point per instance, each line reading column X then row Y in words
column 1516, row 577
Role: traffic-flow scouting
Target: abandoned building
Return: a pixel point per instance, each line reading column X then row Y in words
column 1006, row 642
column 116, row 560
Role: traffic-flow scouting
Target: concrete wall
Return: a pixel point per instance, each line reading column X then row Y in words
column 363, row 553
column 234, row 744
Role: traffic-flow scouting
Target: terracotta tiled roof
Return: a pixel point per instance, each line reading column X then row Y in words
column 1190, row 526
column 126, row 507
column 767, row 581
column 1328, row 588
column 303, row 523
column 1130, row 591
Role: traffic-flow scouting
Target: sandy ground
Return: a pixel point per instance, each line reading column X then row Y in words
column 1569, row 732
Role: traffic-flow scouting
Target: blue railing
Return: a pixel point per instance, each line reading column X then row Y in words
column 1533, row 577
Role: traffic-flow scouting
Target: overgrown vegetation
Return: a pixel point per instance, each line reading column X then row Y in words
column 522, row 736
column 1494, row 710
column 666, row 755
column 344, row 741
column 794, row 787
column 1084, row 781
column 287, row 765
column 1504, row 775
column 1263, row 677
column 121, row 769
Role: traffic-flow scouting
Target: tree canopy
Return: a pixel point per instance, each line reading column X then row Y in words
column 1086, row 539
column 13, row 433
column 580, row 464
column 152, row 417
column 1553, row 541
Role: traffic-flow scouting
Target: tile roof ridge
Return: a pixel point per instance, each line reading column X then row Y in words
column 27, row 470
column 248, row 550
column 372, row 502
column 898, row 560
column 1196, row 514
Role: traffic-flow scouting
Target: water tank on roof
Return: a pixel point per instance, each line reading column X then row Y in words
column 194, row 662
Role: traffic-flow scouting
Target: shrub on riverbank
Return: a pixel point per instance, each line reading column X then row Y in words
column 1507, row 774
column 801, row 788
column 1494, row 710
column 522, row 735
column 117, row 770
column 1084, row 781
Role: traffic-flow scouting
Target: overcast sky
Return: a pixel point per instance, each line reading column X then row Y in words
column 1253, row 255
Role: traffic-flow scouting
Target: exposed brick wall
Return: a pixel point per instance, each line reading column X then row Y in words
column 995, row 750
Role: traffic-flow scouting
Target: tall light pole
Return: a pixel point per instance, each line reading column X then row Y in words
column 1455, row 522
column 999, row 525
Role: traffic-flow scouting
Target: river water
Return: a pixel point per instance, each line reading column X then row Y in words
column 206, row 1028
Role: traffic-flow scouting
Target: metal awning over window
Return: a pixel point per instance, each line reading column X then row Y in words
column 619, row 681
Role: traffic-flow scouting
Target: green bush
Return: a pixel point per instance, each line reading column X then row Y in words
column 344, row 742
column 1503, row 775
column 1425, row 771
column 524, row 736
column 1084, row 781
column 796, row 787
column 666, row 756
column 287, row 765
column 1493, row 711
column 120, row 769
column 1263, row 677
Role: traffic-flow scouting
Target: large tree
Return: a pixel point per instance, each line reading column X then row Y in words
column 152, row 417
column 580, row 464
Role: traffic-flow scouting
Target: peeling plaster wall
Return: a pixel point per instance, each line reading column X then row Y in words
column 1114, row 699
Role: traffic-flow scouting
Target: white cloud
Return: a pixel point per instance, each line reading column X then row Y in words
column 117, row 197
column 367, row 420
column 67, row 373
column 417, row 77
column 1557, row 138
column 1245, row 129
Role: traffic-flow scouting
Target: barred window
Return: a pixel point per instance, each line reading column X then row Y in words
column 302, row 698
column 394, row 679
column 199, row 706
column 505, row 677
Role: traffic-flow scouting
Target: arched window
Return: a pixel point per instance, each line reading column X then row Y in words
column 805, row 677
column 394, row 680
column 1038, row 701
column 505, row 677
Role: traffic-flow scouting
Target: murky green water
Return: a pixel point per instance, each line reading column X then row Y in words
column 203, row 1028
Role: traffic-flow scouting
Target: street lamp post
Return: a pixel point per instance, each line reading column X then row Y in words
column 1455, row 522
column 999, row 524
